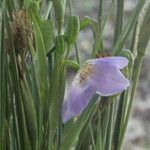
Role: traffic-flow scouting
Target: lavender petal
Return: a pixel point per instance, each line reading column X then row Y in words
column 108, row 79
column 103, row 77
column 118, row 61
column 76, row 102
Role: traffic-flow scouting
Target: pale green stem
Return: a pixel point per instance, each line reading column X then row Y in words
column 143, row 40
column 119, row 19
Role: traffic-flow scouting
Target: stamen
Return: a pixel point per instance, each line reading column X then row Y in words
column 82, row 75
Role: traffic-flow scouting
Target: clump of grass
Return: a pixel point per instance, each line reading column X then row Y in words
column 36, row 38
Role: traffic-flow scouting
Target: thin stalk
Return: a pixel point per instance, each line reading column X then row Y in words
column 143, row 39
column 100, row 11
column 70, row 7
column 133, row 39
column 76, row 48
column 83, row 136
column 119, row 19
column 92, row 137
column 136, row 72
column 127, row 29
column 48, row 9
column 99, row 133
column 62, row 78
column 74, row 131
column 2, row 102
column 119, row 117
column 110, row 127
column 121, row 114
column 104, row 125
column 100, row 27
column 77, row 53
column 24, row 142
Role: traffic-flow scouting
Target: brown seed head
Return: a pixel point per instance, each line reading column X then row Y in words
column 21, row 31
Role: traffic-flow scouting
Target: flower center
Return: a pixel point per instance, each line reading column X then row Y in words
column 83, row 75
column 85, row 72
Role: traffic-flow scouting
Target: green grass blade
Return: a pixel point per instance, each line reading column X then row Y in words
column 119, row 19
column 143, row 39
column 2, row 103
column 76, row 128
column 99, row 29
column 127, row 29
column 41, row 60
column 30, row 113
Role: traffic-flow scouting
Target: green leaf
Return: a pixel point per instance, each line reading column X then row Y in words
column 144, row 34
column 60, row 44
column 33, row 6
column 45, row 9
column 127, row 29
column 98, row 29
column 47, row 31
column 72, row 64
column 119, row 19
column 72, row 29
column 26, row 3
column 33, row 9
column 143, row 39
column 57, row 86
column 30, row 113
column 69, row 136
column 41, row 61
column 59, row 7
column 3, row 84
column 99, row 134
column 129, row 55
column 10, row 6
column 86, row 22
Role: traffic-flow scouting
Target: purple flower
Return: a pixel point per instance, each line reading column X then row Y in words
column 101, row 76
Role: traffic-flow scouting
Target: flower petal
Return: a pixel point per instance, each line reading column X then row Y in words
column 108, row 79
column 98, row 75
column 76, row 102
column 118, row 61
